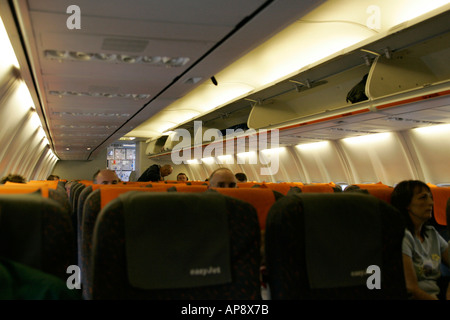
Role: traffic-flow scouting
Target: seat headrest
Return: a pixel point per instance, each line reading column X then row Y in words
column 343, row 237
column 21, row 228
column 176, row 240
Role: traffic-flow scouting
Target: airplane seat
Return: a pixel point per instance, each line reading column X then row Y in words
column 250, row 184
column 61, row 197
column 94, row 203
column 282, row 187
column 80, row 207
column 70, row 186
column 261, row 199
column 382, row 193
column 75, row 195
column 36, row 231
column 319, row 188
column 188, row 188
column 439, row 219
column 322, row 246
column 196, row 182
column 91, row 209
column 144, row 247
column 447, row 213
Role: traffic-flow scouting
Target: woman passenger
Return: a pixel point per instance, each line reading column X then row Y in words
column 423, row 247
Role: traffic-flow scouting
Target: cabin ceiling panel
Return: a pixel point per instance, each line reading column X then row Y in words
column 174, row 11
column 175, row 28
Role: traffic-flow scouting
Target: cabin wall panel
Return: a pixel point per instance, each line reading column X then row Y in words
column 84, row 170
column 24, row 153
column 322, row 162
column 46, row 167
column 197, row 172
column 33, row 158
column 374, row 159
column 19, row 135
column 432, row 149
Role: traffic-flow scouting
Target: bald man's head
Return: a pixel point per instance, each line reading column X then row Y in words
column 165, row 170
column 222, row 178
column 106, row 176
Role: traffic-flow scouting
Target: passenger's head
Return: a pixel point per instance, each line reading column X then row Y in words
column 106, row 176
column 17, row 178
column 166, row 170
column 182, row 177
column 53, row 177
column 222, row 178
column 241, row 177
column 413, row 198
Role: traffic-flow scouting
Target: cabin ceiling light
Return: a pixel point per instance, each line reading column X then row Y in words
column 90, row 114
column 63, row 126
column 273, row 150
column 313, row 145
column 135, row 96
column 369, row 138
column 83, row 134
column 439, row 130
column 62, row 55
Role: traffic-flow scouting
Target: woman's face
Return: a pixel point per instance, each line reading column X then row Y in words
column 421, row 205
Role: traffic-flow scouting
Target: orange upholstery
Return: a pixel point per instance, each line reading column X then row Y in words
column 317, row 187
column 189, row 188
column 250, row 185
column 371, row 185
column 11, row 187
column 196, row 182
column 282, row 187
column 51, row 184
column 381, row 193
column 440, row 197
column 109, row 193
column 262, row 199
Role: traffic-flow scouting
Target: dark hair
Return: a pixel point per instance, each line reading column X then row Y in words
column 401, row 198
column 183, row 174
column 17, row 178
column 241, row 177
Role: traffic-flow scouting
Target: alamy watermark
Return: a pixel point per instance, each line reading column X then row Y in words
column 74, row 21
column 254, row 143
column 374, row 280
column 74, row 280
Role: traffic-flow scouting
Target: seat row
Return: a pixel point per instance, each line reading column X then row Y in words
column 133, row 238
column 174, row 245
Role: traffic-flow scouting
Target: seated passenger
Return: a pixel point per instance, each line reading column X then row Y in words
column 53, row 177
column 156, row 173
column 241, row 177
column 106, row 176
column 17, row 178
column 182, row 177
column 21, row 282
column 222, row 178
column 423, row 247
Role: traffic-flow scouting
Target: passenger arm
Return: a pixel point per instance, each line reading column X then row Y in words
column 446, row 260
column 412, row 284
